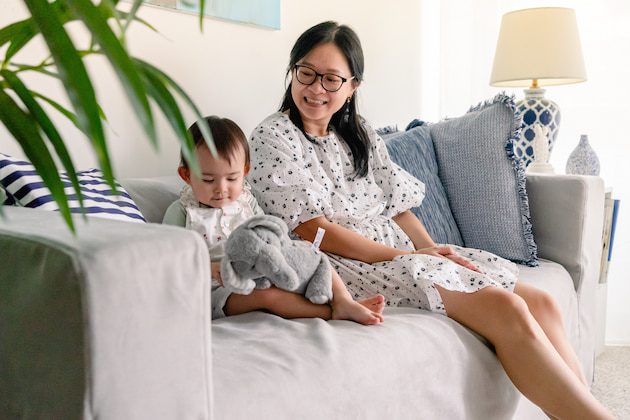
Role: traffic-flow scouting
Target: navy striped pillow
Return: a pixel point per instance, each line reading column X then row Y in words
column 24, row 187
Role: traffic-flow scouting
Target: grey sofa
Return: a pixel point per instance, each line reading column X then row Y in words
column 114, row 323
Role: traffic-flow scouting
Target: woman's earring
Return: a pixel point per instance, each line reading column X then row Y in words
column 346, row 112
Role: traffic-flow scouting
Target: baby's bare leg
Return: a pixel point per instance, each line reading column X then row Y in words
column 277, row 301
column 291, row 305
column 375, row 303
column 367, row 312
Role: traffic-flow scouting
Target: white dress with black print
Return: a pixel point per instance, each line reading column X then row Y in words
column 297, row 179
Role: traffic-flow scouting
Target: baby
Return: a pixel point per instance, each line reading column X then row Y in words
column 218, row 201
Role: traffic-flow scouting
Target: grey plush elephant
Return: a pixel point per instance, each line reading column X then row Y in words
column 259, row 253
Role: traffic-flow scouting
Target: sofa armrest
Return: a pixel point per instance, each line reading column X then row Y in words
column 111, row 323
column 567, row 216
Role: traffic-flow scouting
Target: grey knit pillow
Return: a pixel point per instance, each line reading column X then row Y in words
column 485, row 181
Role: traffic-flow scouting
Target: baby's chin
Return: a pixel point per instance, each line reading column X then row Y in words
column 217, row 204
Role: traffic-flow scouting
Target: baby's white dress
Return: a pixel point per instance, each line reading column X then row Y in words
column 297, row 179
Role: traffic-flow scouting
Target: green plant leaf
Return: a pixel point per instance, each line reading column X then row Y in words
column 202, row 8
column 21, row 32
column 131, row 15
column 23, row 127
column 40, row 68
column 19, row 41
column 62, row 110
column 159, row 92
column 123, row 65
column 47, row 127
column 10, row 32
column 108, row 10
column 76, row 80
column 199, row 118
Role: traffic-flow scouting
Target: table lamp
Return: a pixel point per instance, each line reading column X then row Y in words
column 538, row 47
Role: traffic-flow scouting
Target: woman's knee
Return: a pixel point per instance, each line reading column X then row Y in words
column 492, row 312
column 513, row 314
column 543, row 305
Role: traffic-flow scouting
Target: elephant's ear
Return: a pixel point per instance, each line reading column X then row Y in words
column 233, row 281
column 273, row 223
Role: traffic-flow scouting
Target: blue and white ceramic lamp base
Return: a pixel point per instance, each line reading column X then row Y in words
column 536, row 109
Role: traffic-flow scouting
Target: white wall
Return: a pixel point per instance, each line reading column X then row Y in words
column 237, row 71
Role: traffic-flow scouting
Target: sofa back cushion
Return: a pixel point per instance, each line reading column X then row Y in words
column 154, row 195
column 413, row 151
column 485, row 181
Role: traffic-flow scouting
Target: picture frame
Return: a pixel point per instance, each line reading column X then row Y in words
column 264, row 13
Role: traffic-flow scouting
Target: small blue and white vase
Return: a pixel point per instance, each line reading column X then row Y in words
column 583, row 160
column 536, row 109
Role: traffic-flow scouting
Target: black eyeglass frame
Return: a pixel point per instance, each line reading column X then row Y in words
column 321, row 78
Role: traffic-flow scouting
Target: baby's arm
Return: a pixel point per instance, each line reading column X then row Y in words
column 215, row 271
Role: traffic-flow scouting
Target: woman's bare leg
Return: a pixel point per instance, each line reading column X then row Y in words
column 527, row 355
column 547, row 313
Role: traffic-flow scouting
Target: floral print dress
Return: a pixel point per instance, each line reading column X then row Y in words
column 298, row 178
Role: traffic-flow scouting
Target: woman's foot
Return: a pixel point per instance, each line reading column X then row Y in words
column 366, row 312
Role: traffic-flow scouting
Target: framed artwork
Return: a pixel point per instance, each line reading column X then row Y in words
column 257, row 12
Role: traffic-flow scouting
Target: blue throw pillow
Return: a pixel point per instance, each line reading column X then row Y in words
column 485, row 181
column 24, row 187
column 413, row 151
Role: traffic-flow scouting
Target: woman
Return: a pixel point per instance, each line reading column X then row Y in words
column 318, row 165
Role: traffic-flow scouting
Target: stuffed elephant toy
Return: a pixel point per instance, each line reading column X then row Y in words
column 259, row 253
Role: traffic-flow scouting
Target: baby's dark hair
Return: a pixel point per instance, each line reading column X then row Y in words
column 227, row 135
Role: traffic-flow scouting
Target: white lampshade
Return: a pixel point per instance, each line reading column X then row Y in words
column 540, row 44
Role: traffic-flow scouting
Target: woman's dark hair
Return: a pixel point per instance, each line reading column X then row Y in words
column 227, row 135
column 346, row 121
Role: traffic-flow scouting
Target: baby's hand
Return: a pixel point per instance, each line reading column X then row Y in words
column 215, row 272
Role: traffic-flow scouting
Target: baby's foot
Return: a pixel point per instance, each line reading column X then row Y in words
column 350, row 310
column 375, row 303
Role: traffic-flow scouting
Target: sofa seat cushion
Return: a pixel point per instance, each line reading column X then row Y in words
column 429, row 364
column 415, row 365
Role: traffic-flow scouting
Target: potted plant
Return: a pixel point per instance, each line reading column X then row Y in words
column 29, row 123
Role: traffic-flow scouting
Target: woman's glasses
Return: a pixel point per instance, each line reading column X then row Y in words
column 330, row 82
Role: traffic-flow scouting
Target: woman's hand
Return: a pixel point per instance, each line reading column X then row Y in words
column 215, row 271
column 446, row 251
